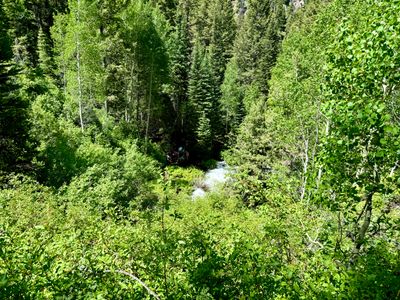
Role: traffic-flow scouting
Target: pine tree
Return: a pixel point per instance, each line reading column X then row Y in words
column 195, row 91
column 23, row 30
column 212, row 93
column 201, row 22
column 44, row 54
column 203, row 94
column 15, row 88
column 231, row 100
column 204, row 135
column 222, row 35
column 168, row 8
column 5, row 40
column 179, row 73
column 61, row 59
column 27, row 18
column 258, row 41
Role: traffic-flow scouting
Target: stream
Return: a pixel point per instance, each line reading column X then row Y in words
column 212, row 178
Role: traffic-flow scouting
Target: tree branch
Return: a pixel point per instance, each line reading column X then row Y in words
column 137, row 280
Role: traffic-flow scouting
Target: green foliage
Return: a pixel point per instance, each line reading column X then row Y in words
column 5, row 41
column 183, row 179
column 258, row 41
column 363, row 67
column 144, row 32
column 223, row 32
column 56, row 245
column 57, row 142
column 87, row 114
column 249, row 154
column 180, row 53
column 245, row 89
column 276, row 146
column 204, row 134
column 209, row 164
column 44, row 53
column 232, row 98
column 84, row 75
column 203, row 99
column 13, row 122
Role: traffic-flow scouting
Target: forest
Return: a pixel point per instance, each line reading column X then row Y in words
column 112, row 112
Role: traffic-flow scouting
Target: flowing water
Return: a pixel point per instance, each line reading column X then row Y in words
column 212, row 178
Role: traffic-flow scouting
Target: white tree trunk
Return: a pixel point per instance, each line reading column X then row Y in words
column 149, row 104
column 305, row 167
column 79, row 77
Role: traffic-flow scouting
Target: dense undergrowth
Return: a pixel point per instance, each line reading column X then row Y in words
column 75, row 244
column 94, row 203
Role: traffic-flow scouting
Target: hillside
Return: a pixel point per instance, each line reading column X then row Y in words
column 113, row 111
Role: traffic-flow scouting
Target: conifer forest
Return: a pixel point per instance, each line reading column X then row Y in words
column 200, row 149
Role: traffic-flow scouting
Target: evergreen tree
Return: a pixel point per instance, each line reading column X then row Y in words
column 5, row 40
column 44, row 54
column 117, row 84
column 222, row 35
column 27, row 18
column 168, row 8
column 16, row 87
column 231, row 101
column 195, row 91
column 203, row 94
column 180, row 49
column 204, row 134
column 23, row 30
column 201, row 22
column 258, row 41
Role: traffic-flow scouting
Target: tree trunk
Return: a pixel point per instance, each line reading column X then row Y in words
column 78, row 65
column 305, row 168
column 149, row 105
column 130, row 99
column 320, row 168
column 362, row 231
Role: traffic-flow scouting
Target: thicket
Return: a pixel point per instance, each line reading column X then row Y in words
column 303, row 101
